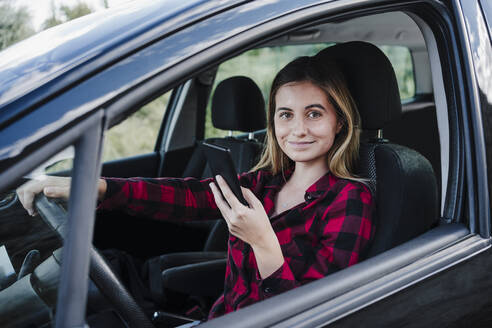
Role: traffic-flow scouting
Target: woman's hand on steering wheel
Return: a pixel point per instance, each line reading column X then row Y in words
column 51, row 186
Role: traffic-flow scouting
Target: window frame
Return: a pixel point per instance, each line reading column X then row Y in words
column 86, row 137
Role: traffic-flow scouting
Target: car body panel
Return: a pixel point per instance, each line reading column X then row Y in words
column 477, row 62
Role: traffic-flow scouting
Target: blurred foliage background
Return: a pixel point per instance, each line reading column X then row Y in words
column 16, row 22
column 137, row 134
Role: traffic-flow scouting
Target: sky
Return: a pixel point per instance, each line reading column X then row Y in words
column 40, row 9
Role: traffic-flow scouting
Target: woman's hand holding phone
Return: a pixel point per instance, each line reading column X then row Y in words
column 250, row 224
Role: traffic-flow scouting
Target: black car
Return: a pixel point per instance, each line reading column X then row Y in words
column 130, row 92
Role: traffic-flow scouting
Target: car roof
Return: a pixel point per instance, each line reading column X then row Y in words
column 65, row 54
column 390, row 28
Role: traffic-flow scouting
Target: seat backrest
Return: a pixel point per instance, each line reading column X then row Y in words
column 417, row 129
column 237, row 105
column 402, row 180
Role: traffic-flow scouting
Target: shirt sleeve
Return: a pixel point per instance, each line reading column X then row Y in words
column 345, row 230
column 161, row 198
column 164, row 198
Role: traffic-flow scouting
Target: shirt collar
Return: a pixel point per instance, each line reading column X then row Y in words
column 317, row 189
column 277, row 181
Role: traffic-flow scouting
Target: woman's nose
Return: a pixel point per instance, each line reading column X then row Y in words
column 299, row 127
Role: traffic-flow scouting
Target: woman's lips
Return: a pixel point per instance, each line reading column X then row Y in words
column 300, row 144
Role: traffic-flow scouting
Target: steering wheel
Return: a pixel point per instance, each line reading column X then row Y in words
column 54, row 214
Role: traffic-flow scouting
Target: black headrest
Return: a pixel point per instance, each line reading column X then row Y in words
column 238, row 105
column 371, row 81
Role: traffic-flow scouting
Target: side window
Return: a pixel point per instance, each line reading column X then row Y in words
column 137, row 134
column 260, row 65
column 401, row 59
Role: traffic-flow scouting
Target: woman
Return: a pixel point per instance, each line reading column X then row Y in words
column 308, row 214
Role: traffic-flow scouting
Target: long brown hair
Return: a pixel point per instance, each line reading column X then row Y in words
column 327, row 76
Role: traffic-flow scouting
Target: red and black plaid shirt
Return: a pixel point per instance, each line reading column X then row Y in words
column 324, row 234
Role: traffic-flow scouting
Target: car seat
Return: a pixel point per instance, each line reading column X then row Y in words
column 417, row 129
column 402, row 180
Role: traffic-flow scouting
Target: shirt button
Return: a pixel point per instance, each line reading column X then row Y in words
column 309, row 197
column 268, row 290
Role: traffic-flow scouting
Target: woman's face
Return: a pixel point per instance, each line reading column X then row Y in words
column 305, row 122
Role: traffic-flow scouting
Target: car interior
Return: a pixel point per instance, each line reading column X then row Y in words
column 404, row 137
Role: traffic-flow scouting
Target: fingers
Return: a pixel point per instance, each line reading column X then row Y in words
column 57, row 191
column 229, row 196
column 26, row 198
column 250, row 197
column 26, row 194
column 221, row 203
column 54, row 187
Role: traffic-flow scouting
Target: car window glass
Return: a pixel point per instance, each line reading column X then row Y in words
column 31, row 247
column 401, row 60
column 137, row 134
column 260, row 65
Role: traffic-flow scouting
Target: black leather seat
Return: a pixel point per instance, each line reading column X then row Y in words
column 402, row 179
column 417, row 129
column 237, row 105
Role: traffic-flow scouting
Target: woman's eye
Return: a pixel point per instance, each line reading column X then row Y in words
column 285, row 115
column 314, row 114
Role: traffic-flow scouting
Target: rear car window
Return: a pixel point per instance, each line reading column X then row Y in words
column 137, row 134
column 401, row 60
column 262, row 64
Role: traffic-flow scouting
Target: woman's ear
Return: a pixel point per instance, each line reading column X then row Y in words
column 339, row 126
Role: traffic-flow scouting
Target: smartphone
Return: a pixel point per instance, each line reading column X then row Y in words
column 220, row 161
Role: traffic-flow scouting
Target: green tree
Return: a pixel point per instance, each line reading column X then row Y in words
column 79, row 10
column 66, row 13
column 14, row 25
